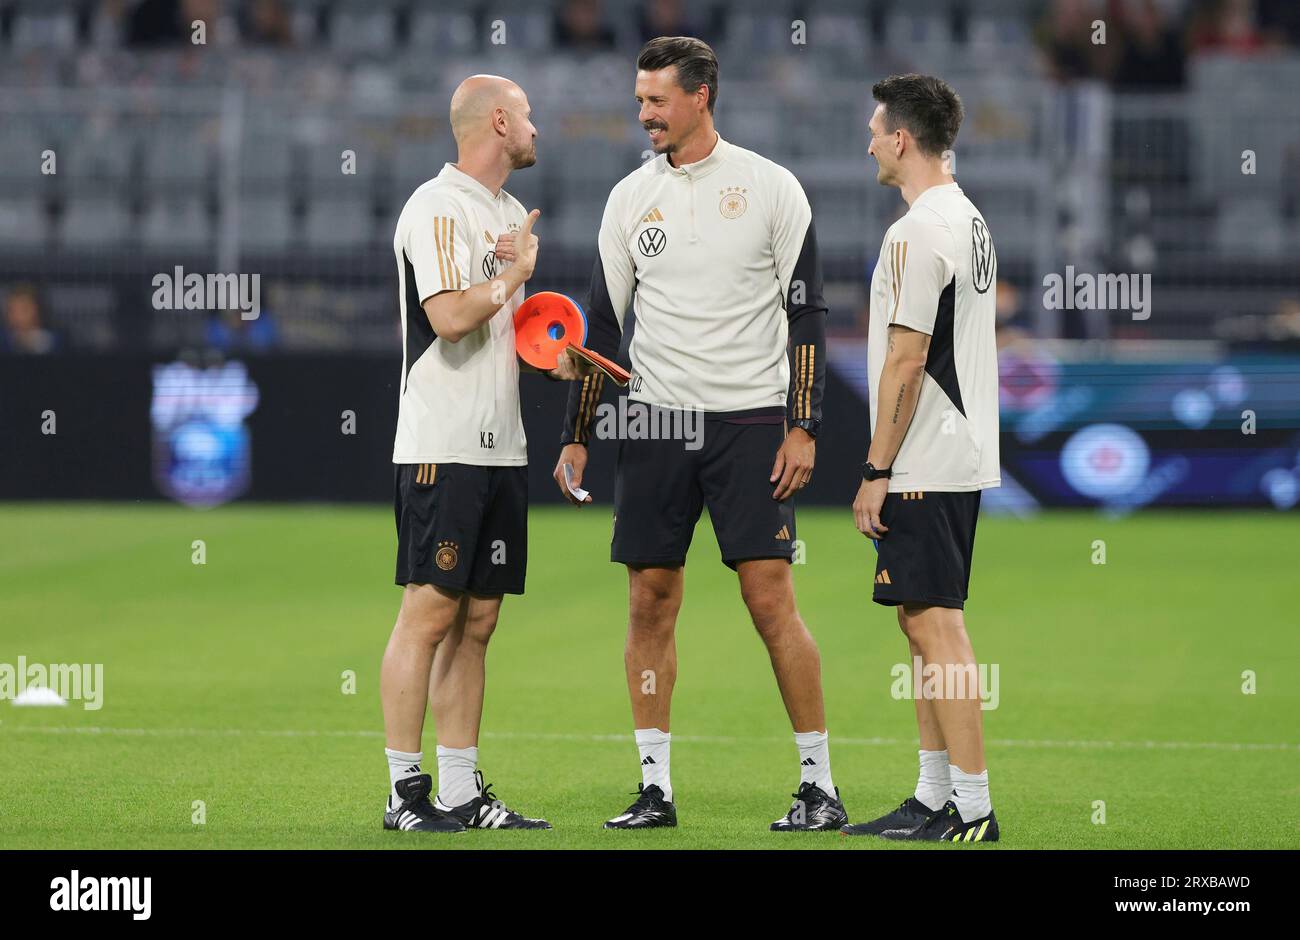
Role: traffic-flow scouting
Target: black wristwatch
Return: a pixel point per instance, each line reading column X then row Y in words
column 809, row 426
column 870, row 473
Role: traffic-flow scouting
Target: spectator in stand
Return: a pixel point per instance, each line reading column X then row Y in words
column 1281, row 20
column 669, row 18
column 1066, row 37
column 580, row 27
column 1226, row 26
column 23, row 333
column 1151, row 49
column 265, row 23
column 170, row 22
column 229, row 332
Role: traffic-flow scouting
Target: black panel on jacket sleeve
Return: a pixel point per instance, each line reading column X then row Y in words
column 806, row 311
column 603, row 336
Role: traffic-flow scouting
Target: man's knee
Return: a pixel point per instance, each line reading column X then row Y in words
column 427, row 614
column 768, row 593
column 927, row 625
column 654, row 597
column 481, row 622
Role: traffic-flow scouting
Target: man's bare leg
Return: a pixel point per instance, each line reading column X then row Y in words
column 456, row 684
column 457, row 679
column 427, row 614
column 939, row 633
column 768, row 591
column 650, row 662
column 650, row 656
column 933, row 784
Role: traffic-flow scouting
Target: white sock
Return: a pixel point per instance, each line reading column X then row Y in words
column 400, row 764
column 934, row 786
column 456, row 783
column 653, row 745
column 815, row 759
column 972, row 793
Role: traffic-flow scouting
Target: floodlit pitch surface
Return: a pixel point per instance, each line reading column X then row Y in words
column 1118, row 684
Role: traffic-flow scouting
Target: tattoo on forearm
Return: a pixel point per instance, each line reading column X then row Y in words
column 898, row 405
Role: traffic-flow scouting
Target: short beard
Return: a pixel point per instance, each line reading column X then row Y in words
column 521, row 158
column 667, row 146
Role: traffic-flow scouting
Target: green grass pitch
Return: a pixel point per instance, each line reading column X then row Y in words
column 1119, row 683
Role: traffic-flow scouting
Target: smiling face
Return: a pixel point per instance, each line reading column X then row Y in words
column 668, row 113
column 884, row 147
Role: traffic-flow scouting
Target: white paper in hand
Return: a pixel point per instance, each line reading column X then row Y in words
column 578, row 492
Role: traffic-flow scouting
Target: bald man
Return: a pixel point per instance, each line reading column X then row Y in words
column 464, row 248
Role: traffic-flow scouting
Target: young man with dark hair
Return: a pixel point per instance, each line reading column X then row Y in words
column 932, row 360
column 715, row 247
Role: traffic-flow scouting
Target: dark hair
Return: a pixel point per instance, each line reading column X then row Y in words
column 695, row 61
column 925, row 105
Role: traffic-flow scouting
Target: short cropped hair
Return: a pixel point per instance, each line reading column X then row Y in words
column 695, row 61
column 926, row 106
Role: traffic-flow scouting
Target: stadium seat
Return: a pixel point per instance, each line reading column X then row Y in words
column 443, row 29
column 176, row 223
column 23, row 222
column 750, row 32
column 1249, row 228
column 265, row 157
column 82, row 314
column 95, row 221
column 363, row 30
column 50, row 27
column 265, row 223
column 101, row 155
column 417, row 159
column 341, row 223
column 177, row 151
column 21, row 143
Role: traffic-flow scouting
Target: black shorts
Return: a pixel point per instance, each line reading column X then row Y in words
column 925, row 557
column 660, row 487
column 462, row 527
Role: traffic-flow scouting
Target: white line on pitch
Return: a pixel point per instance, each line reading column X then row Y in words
column 680, row 738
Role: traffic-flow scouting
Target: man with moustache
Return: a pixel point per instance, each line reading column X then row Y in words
column 715, row 247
